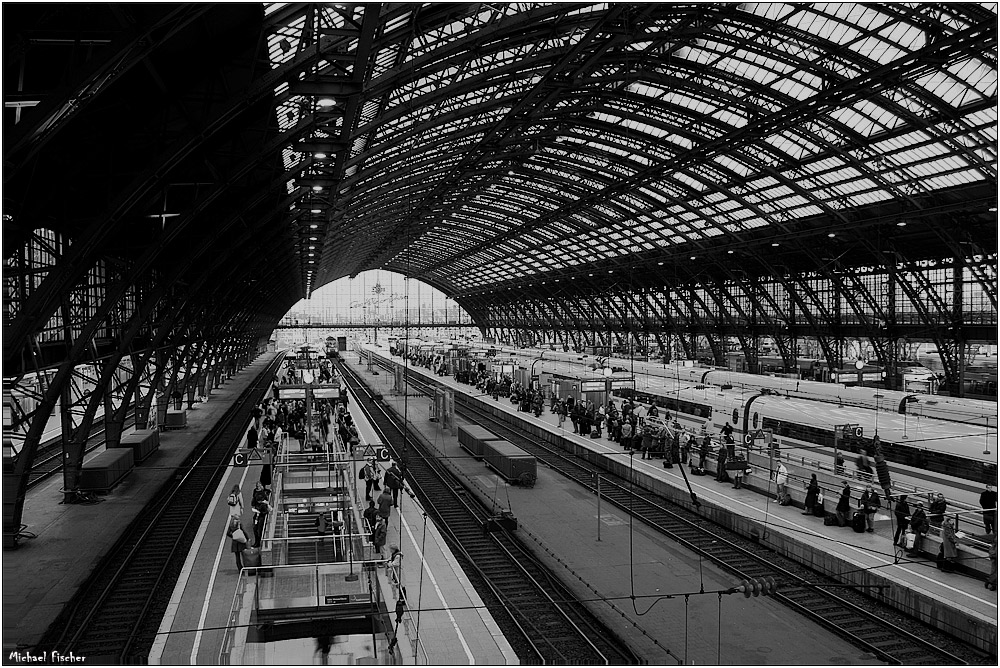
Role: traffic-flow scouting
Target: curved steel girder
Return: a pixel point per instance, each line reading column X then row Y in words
column 52, row 114
column 795, row 113
column 142, row 264
column 56, row 283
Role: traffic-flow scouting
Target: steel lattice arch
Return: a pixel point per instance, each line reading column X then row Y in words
column 698, row 177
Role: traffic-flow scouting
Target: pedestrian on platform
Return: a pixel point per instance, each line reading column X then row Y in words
column 370, row 515
column 949, row 546
column 870, row 503
column 238, row 540
column 988, row 502
column 261, row 506
column 252, row 436
column 937, row 510
column 394, row 482
column 384, row 503
column 902, row 512
column 647, row 441
column 706, row 446
column 812, row 493
column 378, row 535
column 235, row 501
column 918, row 525
column 626, row 440
column 781, row 482
column 991, row 579
column 370, row 474
column 726, row 431
column 844, row 506
column 720, row 464
column 838, row 464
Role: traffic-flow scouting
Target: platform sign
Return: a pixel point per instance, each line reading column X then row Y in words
column 592, row 386
column 291, row 392
column 378, row 451
column 623, row 384
column 240, row 459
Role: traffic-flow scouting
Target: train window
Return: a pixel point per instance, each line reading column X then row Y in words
column 736, row 416
column 755, row 418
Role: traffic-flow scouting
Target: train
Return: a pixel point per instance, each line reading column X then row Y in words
column 952, row 447
column 952, row 409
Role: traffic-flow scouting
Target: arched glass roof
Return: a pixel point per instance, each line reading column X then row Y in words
column 494, row 143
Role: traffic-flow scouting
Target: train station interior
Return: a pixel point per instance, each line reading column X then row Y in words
column 500, row 333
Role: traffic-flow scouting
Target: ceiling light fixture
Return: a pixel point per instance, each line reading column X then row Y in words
column 316, row 211
column 317, row 188
column 314, row 226
column 832, row 235
column 326, row 102
column 319, row 156
column 901, row 223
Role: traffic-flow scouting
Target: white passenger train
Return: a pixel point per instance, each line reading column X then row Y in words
column 801, row 414
column 953, row 409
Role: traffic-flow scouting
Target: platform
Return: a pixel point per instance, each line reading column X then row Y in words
column 44, row 573
column 448, row 618
column 952, row 601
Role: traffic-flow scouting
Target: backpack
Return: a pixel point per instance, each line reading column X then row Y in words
column 232, row 499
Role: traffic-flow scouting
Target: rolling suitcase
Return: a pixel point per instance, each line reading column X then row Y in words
column 858, row 521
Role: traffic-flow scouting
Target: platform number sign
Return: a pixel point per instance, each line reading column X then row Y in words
column 379, row 452
column 240, row 459
column 244, row 457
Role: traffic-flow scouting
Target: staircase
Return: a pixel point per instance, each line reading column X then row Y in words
column 308, row 552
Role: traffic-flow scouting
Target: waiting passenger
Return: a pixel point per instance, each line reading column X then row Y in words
column 937, row 510
column 781, row 482
column 902, row 512
column 870, row 503
column 370, row 515
column 918, row 525
column 844, row 506
column 949, row 546
column 812, row 492
column 720, row 464
column 988, row 502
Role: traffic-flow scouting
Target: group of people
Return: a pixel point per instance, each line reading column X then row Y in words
column 376, row 516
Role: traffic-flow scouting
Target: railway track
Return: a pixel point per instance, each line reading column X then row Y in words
column 555, row 627
column 116, row 614
column 49, row 458
column 800, row 589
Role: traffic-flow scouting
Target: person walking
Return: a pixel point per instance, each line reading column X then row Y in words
column 902, row 512
column 988, row 502
column 385, row 505
column 869, row 503
column 238, row 541
column 235, row 501
column 370, row 515
column 261, row 506
column 812, row 493
column 844, row 506
column 393, row 479
column 706, row 446
column 378, row 535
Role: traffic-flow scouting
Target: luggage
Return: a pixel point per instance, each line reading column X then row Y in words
column 819, row 511
column 785, row 500
column 829, row 520
column 909, row 540
column 697, row 470
column 858, row 521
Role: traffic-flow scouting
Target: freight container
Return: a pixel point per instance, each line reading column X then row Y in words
column 472, row 437
column 143, row 443
column 510, row 461
column 106, row 470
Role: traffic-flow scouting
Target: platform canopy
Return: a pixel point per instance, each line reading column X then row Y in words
column 763, row 167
